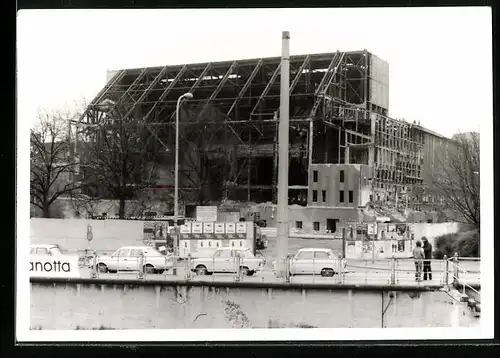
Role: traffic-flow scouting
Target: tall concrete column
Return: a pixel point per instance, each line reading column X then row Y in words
column 283, row 141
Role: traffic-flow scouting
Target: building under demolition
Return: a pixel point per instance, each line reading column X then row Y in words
column 345, row 150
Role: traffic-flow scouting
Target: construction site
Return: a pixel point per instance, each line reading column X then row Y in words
column 341, row 135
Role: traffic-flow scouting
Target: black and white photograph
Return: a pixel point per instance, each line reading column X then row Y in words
column 195, row 177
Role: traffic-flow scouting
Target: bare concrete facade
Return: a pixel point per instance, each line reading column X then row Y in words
column 339, row 185
column 131, row 306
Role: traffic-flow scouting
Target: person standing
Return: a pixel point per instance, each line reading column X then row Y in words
column 418, row 256
column 427, row 261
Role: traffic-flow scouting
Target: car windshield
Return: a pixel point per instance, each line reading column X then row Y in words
column 249, row 254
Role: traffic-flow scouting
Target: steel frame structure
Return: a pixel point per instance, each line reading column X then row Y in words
column 331, row 116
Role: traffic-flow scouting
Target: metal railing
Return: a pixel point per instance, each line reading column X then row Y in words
column 392, row 271
column 456, row 275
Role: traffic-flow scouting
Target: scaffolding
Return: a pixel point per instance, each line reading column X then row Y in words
column 338, row 114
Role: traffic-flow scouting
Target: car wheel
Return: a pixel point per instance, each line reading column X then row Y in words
column 244, row 271
column 327, row 272
column 102, row 268
column 201, row 270
column 149, row 268
column 251, row 273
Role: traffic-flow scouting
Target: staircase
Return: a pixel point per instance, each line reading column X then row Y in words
column 463, row 292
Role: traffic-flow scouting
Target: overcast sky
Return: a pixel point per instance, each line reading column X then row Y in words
column 440, row 59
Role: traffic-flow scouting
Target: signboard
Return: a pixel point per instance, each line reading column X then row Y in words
column 380, row 249
column 372, row 229
column 186, row 228
column 54, row 266
column 241, row 228
column 208, row 228
column 154, row 230
column 206, row 213
column 230, row 228
column 382, row 229
column 219, row 228
column 197, row 228
column 350, row 231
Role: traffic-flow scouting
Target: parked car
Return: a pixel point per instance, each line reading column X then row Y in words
column 314, row 261
column 127, row 258
column 224, row 260
column 45, row 249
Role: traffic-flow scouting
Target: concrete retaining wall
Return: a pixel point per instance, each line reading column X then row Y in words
column 148, row 306
column 71, row 234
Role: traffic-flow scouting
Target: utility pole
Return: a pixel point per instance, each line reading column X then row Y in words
column 283, row 141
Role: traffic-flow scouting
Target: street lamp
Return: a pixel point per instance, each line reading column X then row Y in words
column 185, row 96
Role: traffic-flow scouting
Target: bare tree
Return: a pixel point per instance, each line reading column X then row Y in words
column 204, row 163
column 50, row 164
column 114, row 159
column 457, row 178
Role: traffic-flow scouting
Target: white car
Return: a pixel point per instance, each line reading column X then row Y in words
column 128, row 258
column 45, row 249
column 314, row 261
column 224, row 260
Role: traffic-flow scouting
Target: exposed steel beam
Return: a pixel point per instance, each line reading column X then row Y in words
column 329, row 74
column 195, row 85
column 200, row 78
column 127, row 92
column 218, row 89
column 116, row 78
column 297, row 76
column 150, row 87
column 246, row 86
column 321, row 85
column 166, row 91
column 266, row 90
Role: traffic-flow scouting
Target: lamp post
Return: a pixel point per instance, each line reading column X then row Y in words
column 185, row 96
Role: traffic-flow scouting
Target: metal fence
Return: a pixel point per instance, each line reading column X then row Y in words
column 392, row 271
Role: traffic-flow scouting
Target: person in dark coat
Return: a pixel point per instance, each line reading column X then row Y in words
column 418, row 255
column 428, row 256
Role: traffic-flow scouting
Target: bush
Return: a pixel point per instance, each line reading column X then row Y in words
column 465, row 243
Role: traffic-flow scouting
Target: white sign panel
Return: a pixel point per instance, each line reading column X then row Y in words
column 372, row 228
column 219, row 228
column 206, row 213
column 54, row 266
column 186, row 228
column 241, row 228
column 208, row 228
column 230, row 228
column 197, row 228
